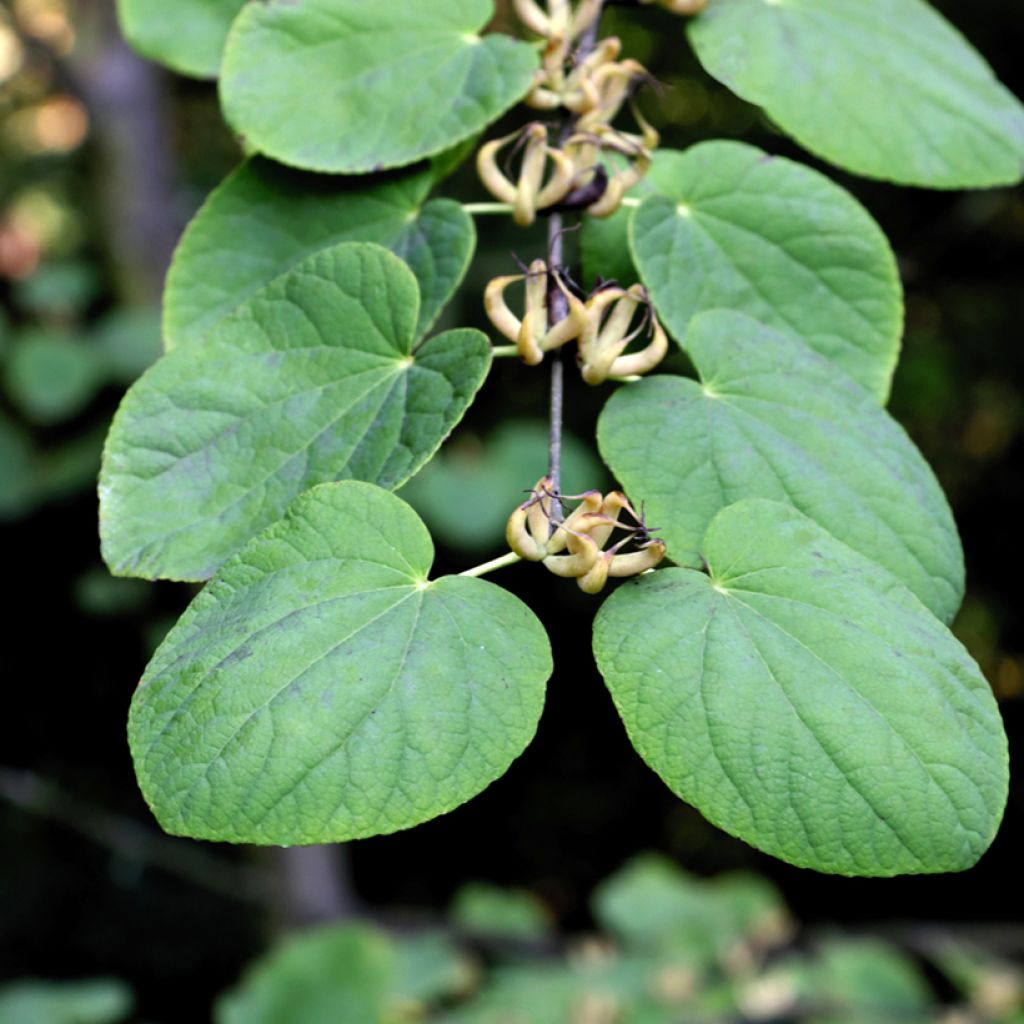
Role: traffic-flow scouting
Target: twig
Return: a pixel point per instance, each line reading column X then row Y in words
column 496, row 563
column 558, row 308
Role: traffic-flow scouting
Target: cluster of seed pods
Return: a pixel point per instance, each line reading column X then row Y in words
column 569, row 172
column 576, row 546
column 602, row 324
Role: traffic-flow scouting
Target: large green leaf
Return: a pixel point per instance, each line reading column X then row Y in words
column 313, row 378
column 806, row 703
column 885, row 88
column 734, row 228
column 771, row 419
column 349, row 86
column 264, row 218
column 320, row 689
column 186, row 35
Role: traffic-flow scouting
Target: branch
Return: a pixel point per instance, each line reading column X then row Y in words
column 558, row 308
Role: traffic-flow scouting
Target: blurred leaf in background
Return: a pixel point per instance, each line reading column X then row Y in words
column 101, row 1001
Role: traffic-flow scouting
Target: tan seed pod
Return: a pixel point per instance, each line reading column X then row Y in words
column 639, row 363
column 583, row 554
column 636, row 562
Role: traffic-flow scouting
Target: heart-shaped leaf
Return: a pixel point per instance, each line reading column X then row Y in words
column 734, row 228
column 186, row 35
column 885, row 88
column 320, row 689
column 314, row 378
column 771, row 419
column 806, row 703
column 349, row 86
column 264, row 218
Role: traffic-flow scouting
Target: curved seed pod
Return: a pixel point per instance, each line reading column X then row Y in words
column 620, row 184
column 583, row 148
column 535, row 320
column 490, row 174
column 590, row 503
column 616, row 326
column 583, row 554
column 586, row 14
column 519, row 538
column 539, row 514
column 530, row 14
column 580, row 94
column 569, row 328
column 614, row 504
column 595, row 310
column 561, row 181
column 497, row 309
column 637, row 562
column 611, row 338
column 613, row 83
column 540, row 97
column 531, row 175
column 594, row 581
column 561, row 18
column 639, row 363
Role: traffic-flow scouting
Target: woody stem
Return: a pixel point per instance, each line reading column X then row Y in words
column 558, row 310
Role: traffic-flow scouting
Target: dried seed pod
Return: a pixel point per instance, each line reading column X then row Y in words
column 638, row 363
column 606, row 335
column 497, row 308
column 528, row 528
column 535, row 318
column 570, row 327
column 583, row 554
column 590, row 502
column 539, row 517
column 636, row 562
column 594, row 581
column 531, row 15
column 519, row 539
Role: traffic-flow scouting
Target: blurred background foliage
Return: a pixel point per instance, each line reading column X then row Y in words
column 103, row 159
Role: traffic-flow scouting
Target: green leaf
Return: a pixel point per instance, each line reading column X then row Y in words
column 263, row 219
column 320, row 690
column 322, row 976
column 806, row 703
column 885, row 88
column 734, row 228
column 652, row 905
column 51, row 377
column 771, row 419
column 468, row 492
column 127, row 343
column 348, row 86
column 500, row 913
column 186, row 35
column 98, row 1001
column 314, row 378
column 344, row 973
column 864, row 981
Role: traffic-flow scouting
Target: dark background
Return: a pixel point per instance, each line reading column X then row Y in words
column 88, row 885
